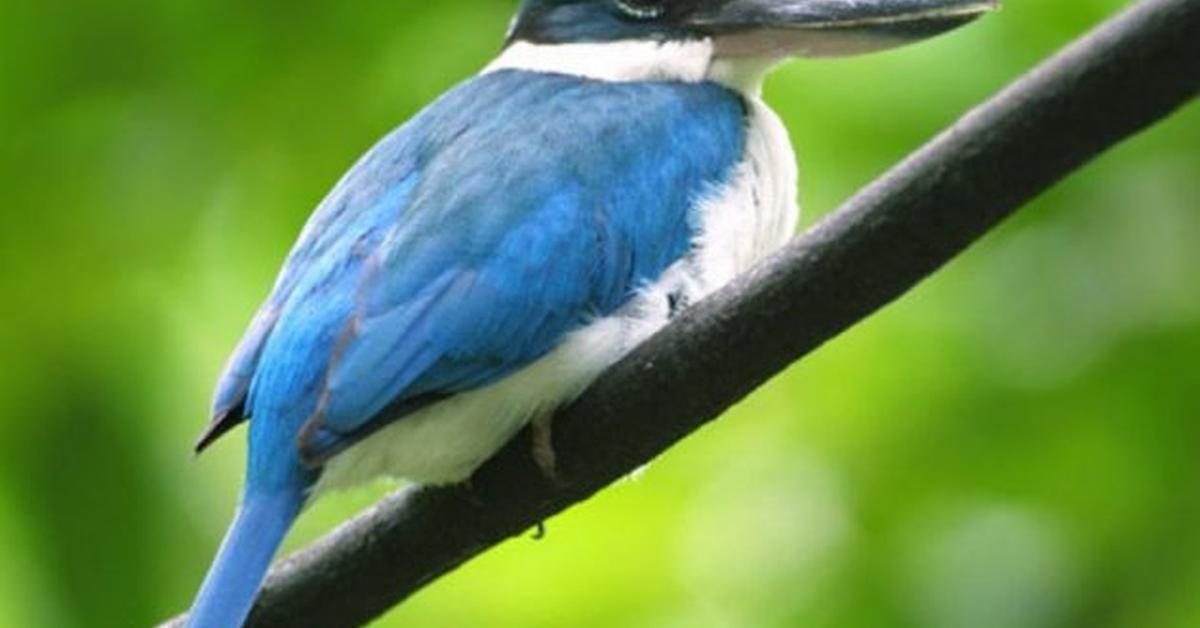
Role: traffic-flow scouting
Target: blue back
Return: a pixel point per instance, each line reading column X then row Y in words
column 464, row 245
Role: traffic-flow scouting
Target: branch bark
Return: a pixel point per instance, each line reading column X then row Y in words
column 1130, row 72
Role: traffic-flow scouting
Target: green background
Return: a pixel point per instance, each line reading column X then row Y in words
column 1014, row 444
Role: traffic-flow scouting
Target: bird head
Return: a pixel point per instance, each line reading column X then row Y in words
column 741, row 37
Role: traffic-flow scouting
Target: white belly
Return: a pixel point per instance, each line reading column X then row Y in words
column 443, row 443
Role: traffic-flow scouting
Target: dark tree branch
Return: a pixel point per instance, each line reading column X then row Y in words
column 1121, row 78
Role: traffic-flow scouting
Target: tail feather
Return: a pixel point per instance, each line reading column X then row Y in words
column 232, row 583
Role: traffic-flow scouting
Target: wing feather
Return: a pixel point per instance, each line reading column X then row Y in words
column 467, row 244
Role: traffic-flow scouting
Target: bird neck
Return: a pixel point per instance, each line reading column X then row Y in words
column 689, row 61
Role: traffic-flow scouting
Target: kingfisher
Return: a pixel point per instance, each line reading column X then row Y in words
column 484, row 262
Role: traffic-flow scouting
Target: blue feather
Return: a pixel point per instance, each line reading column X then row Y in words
column 232, row 583
column 465, row 245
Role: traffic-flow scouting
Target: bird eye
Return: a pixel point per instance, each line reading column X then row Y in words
column 642, row 9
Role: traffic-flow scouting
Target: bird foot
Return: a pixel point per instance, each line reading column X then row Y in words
column 543, row 448
column 466, row 490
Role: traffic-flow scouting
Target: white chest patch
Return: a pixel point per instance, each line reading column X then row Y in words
column 754, row 213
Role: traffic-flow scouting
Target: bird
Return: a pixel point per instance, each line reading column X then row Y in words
column 485, row 261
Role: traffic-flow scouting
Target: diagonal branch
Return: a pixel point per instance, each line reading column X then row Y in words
column 1132, row 71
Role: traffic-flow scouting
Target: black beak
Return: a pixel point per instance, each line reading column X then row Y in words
column 829, row 27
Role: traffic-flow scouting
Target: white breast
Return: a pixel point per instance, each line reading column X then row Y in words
column 753, row 214
column 757, row 212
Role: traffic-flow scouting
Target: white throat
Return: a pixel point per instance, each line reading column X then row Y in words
column 636, row 60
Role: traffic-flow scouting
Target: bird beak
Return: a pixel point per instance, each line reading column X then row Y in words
column 826, row 28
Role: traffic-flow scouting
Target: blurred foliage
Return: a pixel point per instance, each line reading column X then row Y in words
column 1014, row 444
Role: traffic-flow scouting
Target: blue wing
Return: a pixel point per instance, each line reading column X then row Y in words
column 468, row 242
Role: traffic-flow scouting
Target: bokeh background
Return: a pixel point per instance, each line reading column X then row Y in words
column 1015, row 444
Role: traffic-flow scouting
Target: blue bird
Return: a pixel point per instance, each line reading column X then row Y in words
column 485, row 261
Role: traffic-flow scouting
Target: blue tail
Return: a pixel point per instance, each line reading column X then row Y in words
column 232, row 582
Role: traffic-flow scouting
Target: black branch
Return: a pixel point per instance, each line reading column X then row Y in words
column 1127, row 74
